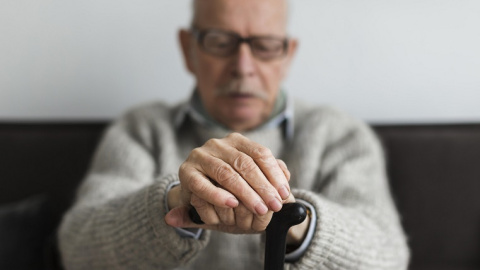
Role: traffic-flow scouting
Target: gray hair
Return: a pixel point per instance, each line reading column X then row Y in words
column 193, row 8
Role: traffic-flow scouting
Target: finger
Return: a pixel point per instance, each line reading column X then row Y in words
column 284, row 168
column 256, row 179
column 229, row 179
column 260, row 223
column 178, row 217
column 205, row 210
column 231, row 162
column 267, row 163
column 195, row 182
column 226, row 215
column 243, row 217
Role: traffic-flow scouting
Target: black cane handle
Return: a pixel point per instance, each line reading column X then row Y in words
column 275, row 245
column 194, row 216
column 291, row 214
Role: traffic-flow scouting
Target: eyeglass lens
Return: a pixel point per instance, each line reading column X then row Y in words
column 225, row 44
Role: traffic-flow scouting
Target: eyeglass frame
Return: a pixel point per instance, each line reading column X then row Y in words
column 199, row 35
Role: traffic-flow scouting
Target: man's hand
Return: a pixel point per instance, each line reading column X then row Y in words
column 238, row 220
column 230, row 180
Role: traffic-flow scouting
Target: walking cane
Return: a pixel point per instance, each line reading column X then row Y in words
column 275, row 245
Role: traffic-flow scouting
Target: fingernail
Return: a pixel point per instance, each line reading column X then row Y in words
column 231, row 202
column 261, row 209
column 275, row 205
column 284, row 193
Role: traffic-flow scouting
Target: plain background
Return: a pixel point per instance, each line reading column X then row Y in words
column 385, row 61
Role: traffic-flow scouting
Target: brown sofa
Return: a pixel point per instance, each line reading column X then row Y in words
column 434, row 172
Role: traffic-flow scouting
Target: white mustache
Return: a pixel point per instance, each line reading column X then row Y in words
column 238, row 87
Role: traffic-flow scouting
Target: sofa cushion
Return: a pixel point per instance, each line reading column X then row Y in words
column 25, row 227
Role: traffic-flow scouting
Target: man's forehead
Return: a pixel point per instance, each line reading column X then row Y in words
column 248, row 16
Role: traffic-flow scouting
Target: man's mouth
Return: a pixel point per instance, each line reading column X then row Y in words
column 241, row 95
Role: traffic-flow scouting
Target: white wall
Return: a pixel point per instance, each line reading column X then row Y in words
column 381, row 60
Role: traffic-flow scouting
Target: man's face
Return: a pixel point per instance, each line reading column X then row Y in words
column 239, row 90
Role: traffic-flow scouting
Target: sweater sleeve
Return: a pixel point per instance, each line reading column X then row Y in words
column 117, row 221
column 357, row 224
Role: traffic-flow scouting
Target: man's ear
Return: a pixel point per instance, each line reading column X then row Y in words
column 292, row 49
column 185, row 39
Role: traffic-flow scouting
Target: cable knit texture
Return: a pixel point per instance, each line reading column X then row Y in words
column 336, row 164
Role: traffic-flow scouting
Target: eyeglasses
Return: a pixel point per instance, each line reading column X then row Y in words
column 224, row 43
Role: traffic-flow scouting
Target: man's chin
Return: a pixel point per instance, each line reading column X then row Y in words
column 242, row 111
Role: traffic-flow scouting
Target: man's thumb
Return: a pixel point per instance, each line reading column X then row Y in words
column 178, row 217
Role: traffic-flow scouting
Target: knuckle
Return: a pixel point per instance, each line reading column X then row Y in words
column 262, row 153
column 260, row 223
column 197, row 185
column 186, row 180
column 195, row 153
column 234, row 135
column 212, row 221
column 225, row 216
column 265, row 189
column 259, row 226
column 183, row 167
column 244, row 163
column 204, row 211
column 197, row 202
column 184, row 170
column 213, row 142
column 241, row 212
column 202, row 188
column 225, row 175
column 243, row 222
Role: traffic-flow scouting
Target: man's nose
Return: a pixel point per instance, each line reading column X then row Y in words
column 244, row 61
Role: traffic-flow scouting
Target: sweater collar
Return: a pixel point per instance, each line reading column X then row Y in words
column 282, row 114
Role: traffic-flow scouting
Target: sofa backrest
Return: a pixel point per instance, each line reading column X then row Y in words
column 434, row 172
column 41, row 165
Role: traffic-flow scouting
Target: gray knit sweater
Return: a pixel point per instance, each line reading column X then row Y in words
column 335, row 161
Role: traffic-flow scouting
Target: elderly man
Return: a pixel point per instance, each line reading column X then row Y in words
column 236, row 152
